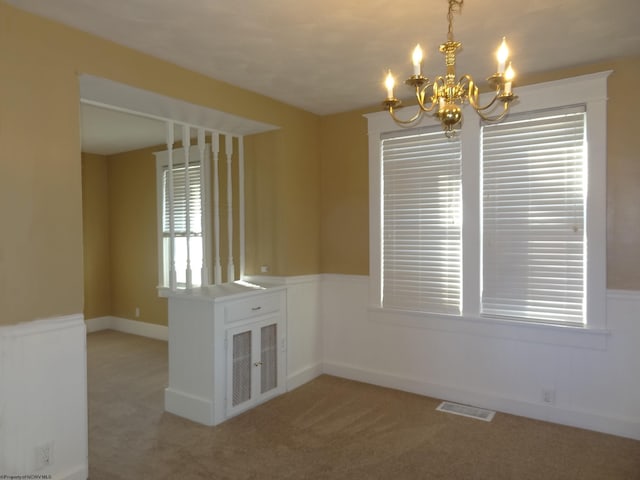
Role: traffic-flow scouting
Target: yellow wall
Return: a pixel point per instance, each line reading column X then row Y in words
column 261, row 171
column 41, row 273
column 95, row 229
column 120, row 236
column 344, row 217
column 41, row 265
column 623, row 182
column 345, row 194
column 133, row 237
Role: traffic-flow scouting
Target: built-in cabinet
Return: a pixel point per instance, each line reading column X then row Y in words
column 227, row 350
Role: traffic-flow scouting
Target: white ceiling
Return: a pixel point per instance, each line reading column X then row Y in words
column 107, row 132
column 328, row 56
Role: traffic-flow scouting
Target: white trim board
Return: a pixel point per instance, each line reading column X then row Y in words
column 134, row 327
column 192, row 407
column 302, row 376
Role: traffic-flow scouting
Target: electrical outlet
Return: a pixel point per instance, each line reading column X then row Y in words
column 137, row 312
column 44, row 456
column 264, row 268
column 548, row 396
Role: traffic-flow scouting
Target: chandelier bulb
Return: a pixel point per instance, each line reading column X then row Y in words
column 503, row 55
column 389, row 83
column 509, row 74
column 417, row 60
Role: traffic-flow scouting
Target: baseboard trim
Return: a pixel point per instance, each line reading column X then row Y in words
column 143, row 329
column 623, row 427
column 99, row 323
column 196, row 409
column 134, row 327
column 303, row 376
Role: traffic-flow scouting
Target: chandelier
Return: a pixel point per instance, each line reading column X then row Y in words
column 445, row 96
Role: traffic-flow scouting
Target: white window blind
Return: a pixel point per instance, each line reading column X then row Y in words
column 533, row 216
column 180, row 200
column 181, row 236
column 421, row 237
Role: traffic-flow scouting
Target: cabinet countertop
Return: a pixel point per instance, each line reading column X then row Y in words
column 224, row 291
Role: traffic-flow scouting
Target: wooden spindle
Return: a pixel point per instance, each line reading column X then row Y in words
column 204, row 269
column 231, row 269
column 217, row 268
column 172, row 228
column 186, row 146
column 241, row 201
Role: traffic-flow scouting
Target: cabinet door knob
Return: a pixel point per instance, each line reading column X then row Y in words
column 256, row 308
column 257, row 364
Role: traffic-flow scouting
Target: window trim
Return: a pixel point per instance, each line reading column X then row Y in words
column 588, row 90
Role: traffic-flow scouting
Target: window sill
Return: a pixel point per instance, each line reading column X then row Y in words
column 550, row 334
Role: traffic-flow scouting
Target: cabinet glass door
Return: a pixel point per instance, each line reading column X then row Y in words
column 241, row 369
column 268, row 358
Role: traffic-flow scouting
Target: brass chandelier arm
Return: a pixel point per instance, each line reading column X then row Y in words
column 473, row 93
column 433, row 102
column 495, row 118
column 421, row 85
column 413, row 119
column 505, row 98
column 473, row 101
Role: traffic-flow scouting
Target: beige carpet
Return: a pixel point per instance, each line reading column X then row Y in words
column 329, row 428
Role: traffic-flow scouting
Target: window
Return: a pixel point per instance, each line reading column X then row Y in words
column 421, row 221
column 495, row 223
column 533, row 203
column 188, row 228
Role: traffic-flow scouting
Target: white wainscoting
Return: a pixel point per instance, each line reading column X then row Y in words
column 331, row 329
column 43, row 397
column 595, row 387
column 134, row 327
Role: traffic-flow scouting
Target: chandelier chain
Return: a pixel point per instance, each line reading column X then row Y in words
column 455, row 6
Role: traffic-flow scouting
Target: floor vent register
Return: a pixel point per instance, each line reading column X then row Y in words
column 466, row 411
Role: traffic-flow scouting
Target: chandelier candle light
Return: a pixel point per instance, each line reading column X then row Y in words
column 444, row 95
